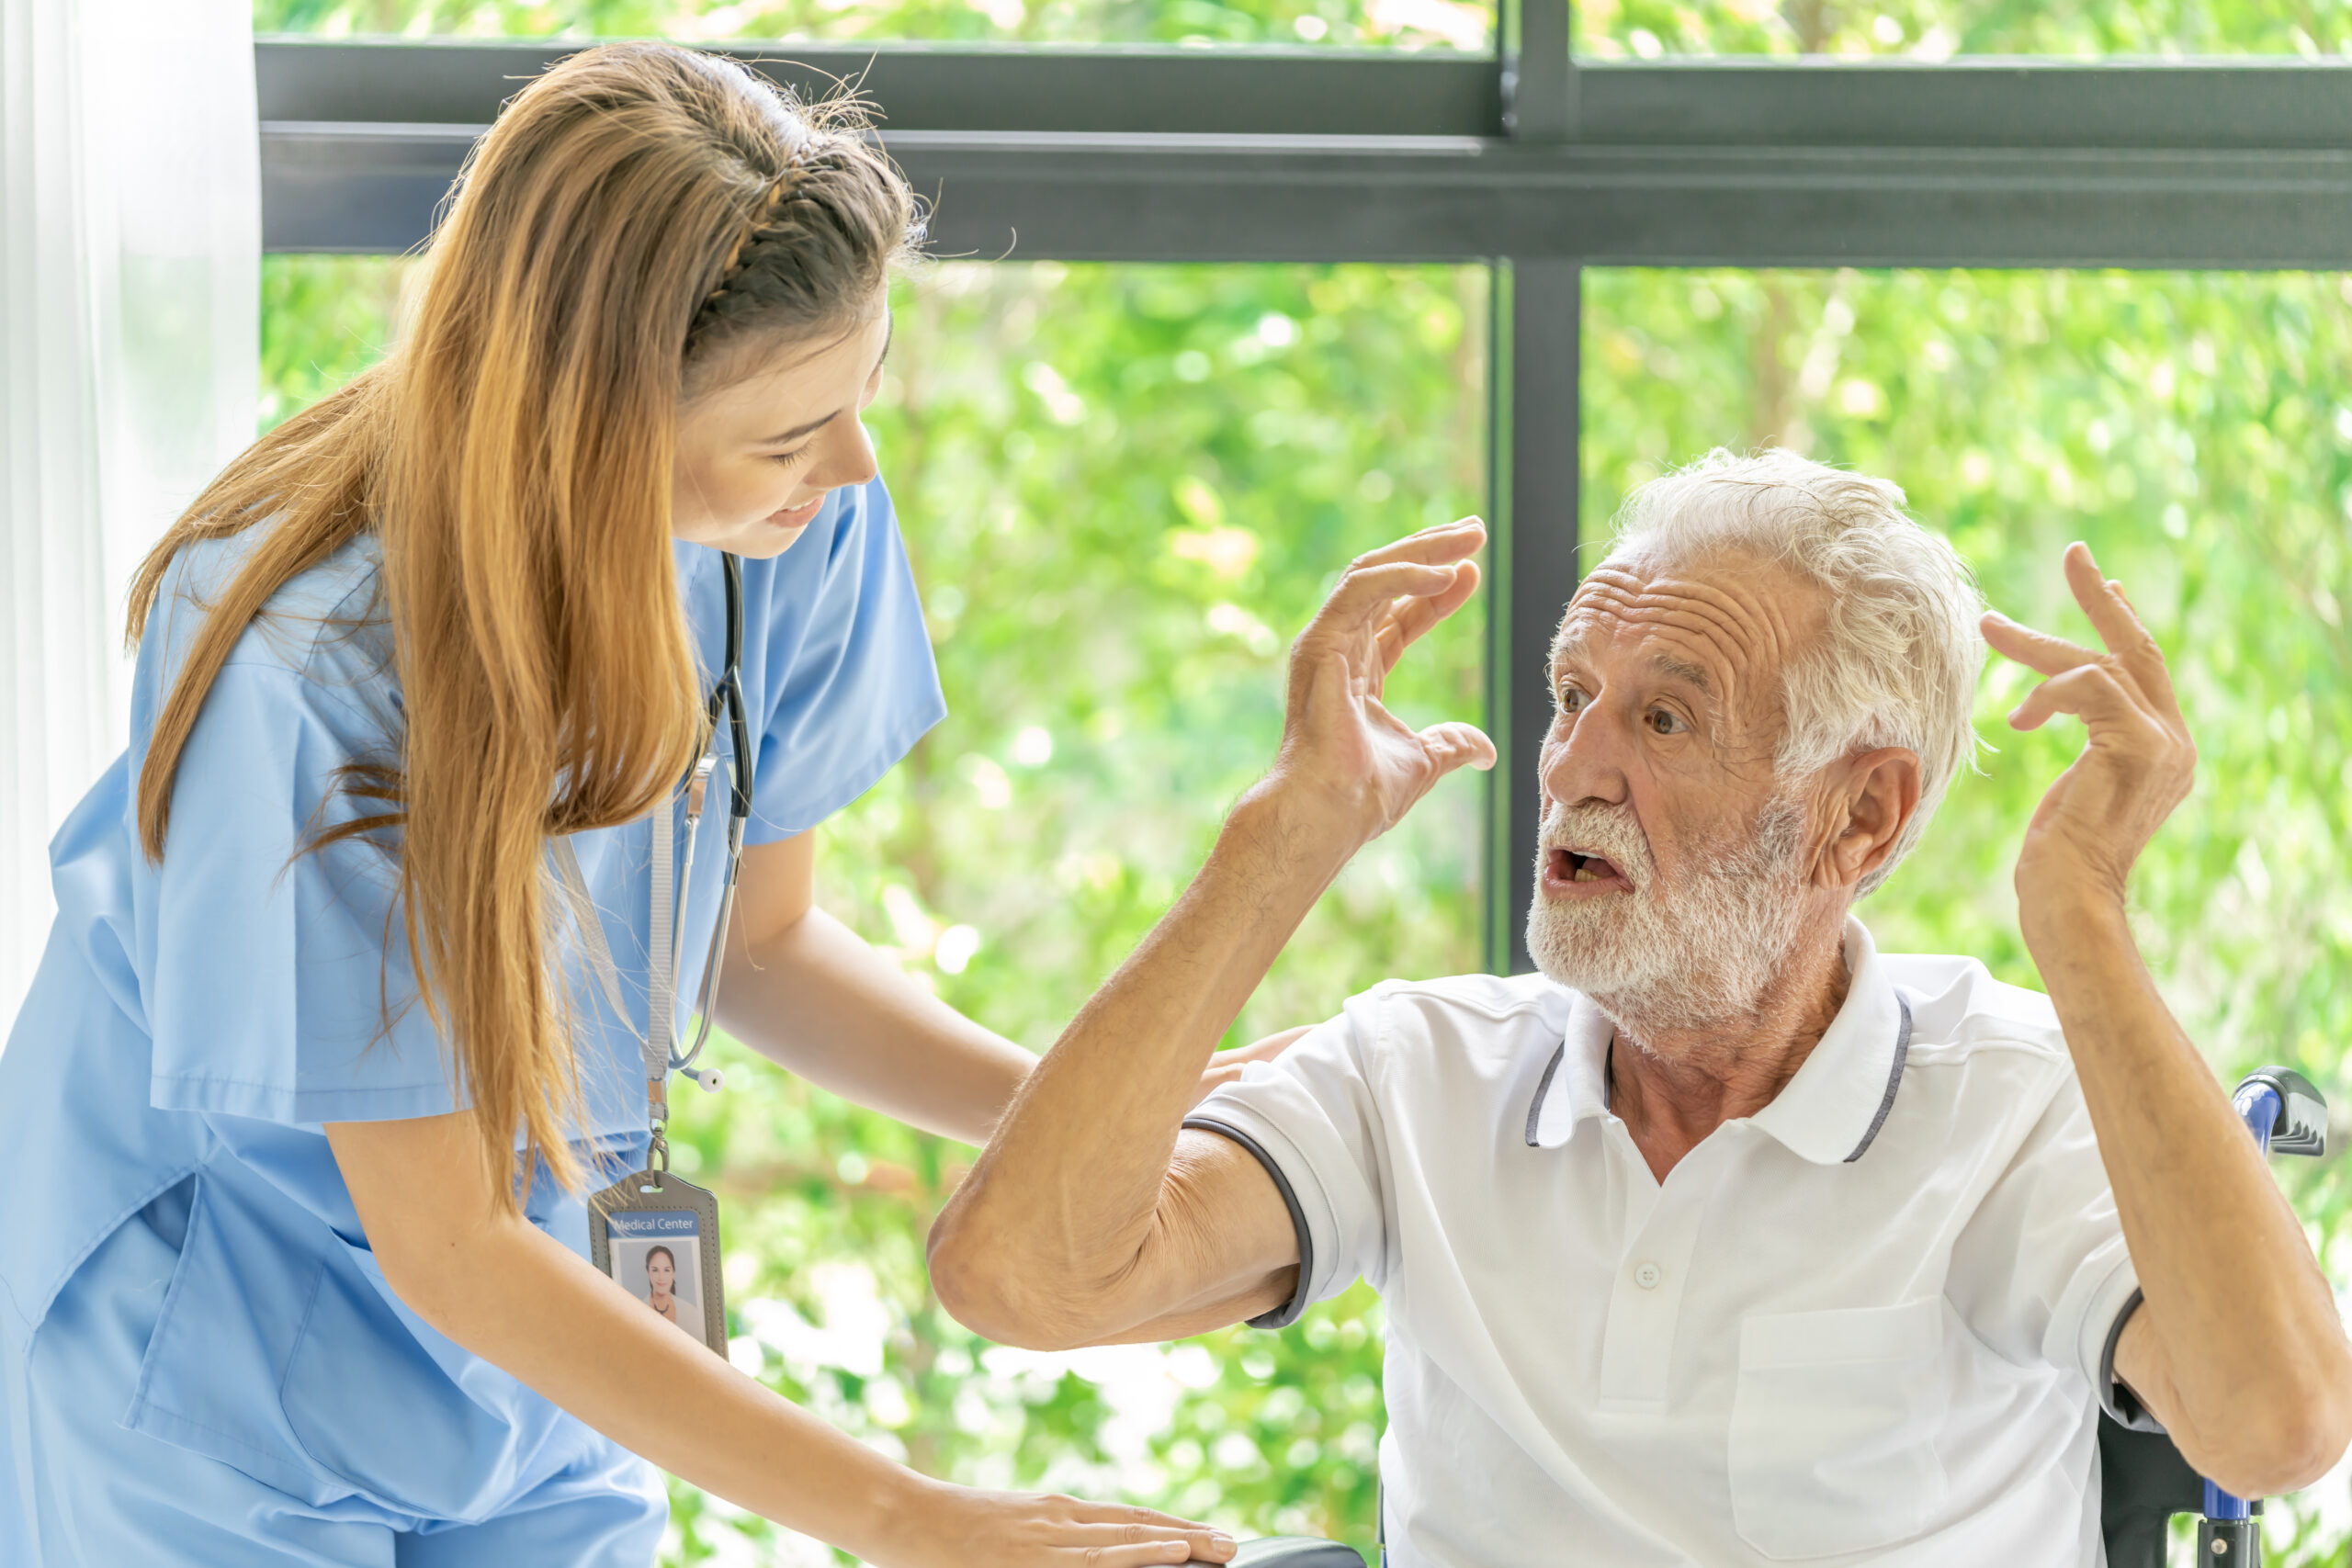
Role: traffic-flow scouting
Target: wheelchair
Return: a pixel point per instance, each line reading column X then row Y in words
column 2144, row 1481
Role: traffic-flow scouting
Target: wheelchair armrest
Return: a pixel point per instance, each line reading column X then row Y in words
column 1294, row 1552
column 2143, row 1483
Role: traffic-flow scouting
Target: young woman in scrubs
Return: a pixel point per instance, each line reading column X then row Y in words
column 313, row 1074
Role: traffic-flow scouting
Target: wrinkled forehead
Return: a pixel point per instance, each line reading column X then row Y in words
column 1723, row 624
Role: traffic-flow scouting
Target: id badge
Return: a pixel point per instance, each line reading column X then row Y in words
column 657, row 1236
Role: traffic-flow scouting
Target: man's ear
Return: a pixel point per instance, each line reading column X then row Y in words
column 1879, row 794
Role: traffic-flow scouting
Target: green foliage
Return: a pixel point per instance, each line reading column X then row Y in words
column 1125, row 489
column 1405, row 24
column 1936, row 29
column 323, row 320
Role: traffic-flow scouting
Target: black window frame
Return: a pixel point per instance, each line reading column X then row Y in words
column 1522, row 160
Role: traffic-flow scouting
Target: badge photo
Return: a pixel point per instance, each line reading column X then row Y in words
column 657, row 1237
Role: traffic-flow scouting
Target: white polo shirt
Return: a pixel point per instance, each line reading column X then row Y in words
column 1864, row 1325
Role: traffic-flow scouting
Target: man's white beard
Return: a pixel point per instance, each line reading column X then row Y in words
column 1700, row 952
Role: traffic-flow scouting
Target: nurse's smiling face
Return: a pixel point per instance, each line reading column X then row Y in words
column 759, row 450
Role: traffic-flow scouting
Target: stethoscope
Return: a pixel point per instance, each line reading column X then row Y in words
column 725, row 695
column 669, row 892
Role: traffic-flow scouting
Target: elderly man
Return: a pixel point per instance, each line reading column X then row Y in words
column 1726, row 1238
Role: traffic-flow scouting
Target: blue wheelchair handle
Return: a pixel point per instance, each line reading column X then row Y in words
column 2286, row 1114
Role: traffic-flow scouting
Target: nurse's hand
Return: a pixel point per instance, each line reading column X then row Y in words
column 965, row 1528
column 1226, row 1067
column 1341, row 747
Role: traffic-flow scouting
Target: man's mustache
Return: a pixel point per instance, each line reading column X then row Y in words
column 1611, row 834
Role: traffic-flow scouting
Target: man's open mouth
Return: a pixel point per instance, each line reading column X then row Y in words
column 1574, row 865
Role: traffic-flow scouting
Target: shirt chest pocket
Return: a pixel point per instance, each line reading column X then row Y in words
column 1834, row 1425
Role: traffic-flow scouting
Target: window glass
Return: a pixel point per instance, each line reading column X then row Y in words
column 1936, row 29
column 1398, row 24
column 2195, row 430
column 1124, row 487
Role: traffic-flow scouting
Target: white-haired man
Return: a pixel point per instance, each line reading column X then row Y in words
column 1725, row 1238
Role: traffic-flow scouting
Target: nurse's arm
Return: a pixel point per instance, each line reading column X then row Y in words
column 806, row 992
column 521, row 1301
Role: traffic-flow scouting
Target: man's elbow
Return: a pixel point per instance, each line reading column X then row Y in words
column 986, row 1288
column 2280, row 1445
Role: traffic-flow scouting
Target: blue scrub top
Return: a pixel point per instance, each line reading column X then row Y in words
column 203, row 1019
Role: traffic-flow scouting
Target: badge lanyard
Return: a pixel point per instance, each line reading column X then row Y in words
column 654, row 1232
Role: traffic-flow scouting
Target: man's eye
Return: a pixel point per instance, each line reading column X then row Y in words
column 1666, row 721
column 1572, row 701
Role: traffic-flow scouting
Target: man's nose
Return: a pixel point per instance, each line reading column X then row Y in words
column 1583, row 758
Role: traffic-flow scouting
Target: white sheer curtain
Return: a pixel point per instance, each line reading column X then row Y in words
column 129, row 297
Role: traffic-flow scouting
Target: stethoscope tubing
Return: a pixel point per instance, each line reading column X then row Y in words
column 726, row 696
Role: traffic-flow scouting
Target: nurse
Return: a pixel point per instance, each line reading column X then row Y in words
column 372, row 950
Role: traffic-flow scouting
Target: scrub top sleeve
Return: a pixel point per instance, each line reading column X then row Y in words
column 277, row 981
column 849, row 685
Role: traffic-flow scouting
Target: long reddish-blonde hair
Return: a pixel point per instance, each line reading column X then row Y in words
column 640, row 216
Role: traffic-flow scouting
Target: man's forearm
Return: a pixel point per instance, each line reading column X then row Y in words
column 817, row 999
column 1047, row 1238
column 2249, row 1331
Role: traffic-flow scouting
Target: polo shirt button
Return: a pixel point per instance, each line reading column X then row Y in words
column 1648, row 1275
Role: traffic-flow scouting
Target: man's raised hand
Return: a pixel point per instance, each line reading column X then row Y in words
column 1338, row 740
column 2138, row 761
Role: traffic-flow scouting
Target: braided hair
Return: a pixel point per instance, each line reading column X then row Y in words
column 819, row 238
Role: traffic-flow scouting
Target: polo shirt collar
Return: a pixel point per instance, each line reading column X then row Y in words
column 1839, row 1099
column 1828, row 1113
column 1575, row 1085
